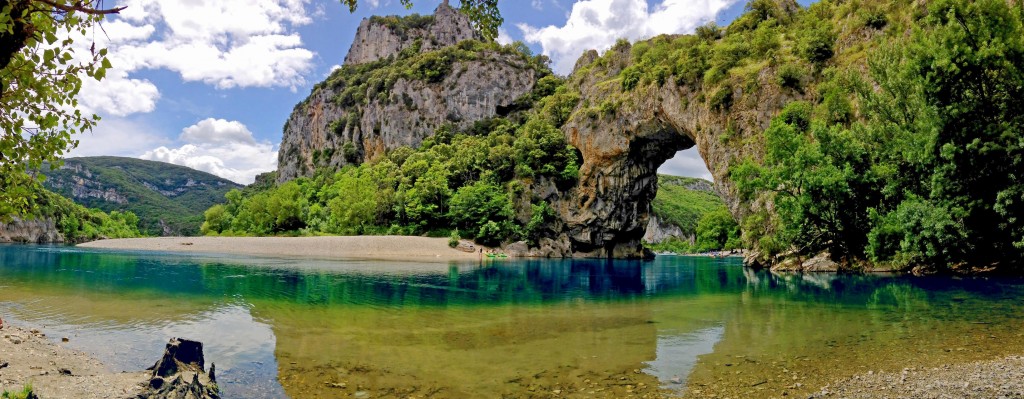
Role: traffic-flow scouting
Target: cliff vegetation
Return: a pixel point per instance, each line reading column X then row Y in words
column 168, row 199
column 698, row 211
column 466, row 180
column 914, row 162
column 58, row 219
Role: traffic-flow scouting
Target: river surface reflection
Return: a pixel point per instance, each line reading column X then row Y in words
column 530, row 328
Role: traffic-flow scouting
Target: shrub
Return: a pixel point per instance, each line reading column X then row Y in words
column 816, row 43
column 875, row 19
column 721, row 99
column 790, row 76
column 453, row 238
column 709, row 32
column 630, row 77
column 349, row 151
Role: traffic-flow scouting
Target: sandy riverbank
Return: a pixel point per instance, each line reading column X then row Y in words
column 55, row 372
column 333, row 247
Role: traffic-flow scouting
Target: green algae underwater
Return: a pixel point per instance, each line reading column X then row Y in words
column 674, row 326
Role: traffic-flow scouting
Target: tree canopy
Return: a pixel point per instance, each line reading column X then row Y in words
column 932, row 173
column 40, row 77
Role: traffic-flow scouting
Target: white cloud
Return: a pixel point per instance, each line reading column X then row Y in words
column 217, row 131
column 118, row 95
column 686, row 163
column 503, row 37
column 223, row 43
column 597, row 24
column 537, row 4
column 116, row 136
column 223, row 148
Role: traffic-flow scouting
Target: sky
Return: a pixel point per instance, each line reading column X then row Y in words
column 209, row 84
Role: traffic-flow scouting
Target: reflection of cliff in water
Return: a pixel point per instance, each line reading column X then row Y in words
column 522, row 281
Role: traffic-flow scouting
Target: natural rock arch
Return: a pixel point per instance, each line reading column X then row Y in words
column 606, row 213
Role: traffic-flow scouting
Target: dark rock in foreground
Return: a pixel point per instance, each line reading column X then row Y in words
column 180, row 374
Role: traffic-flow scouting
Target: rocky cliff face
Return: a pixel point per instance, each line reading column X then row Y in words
column 347, row 121
column 39, row 231
column 81, row 185
column 657, row 232
column 382, row 37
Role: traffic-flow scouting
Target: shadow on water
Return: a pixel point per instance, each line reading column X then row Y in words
column 306, row 327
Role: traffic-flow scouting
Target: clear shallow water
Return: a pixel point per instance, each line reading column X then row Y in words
column 311, row 328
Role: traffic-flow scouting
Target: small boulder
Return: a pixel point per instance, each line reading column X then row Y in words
column 466, row 246
column 820, row 263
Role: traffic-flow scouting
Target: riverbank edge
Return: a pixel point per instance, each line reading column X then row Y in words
column 28, row 357
column 401, row 248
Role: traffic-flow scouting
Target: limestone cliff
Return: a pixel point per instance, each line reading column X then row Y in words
column 607, row 212
column 36, row 231
column 658, row 231
column 395, row 92
column 382, row 37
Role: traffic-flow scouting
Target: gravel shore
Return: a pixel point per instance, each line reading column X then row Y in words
column 993, row 379
column 331, row 247
column 55, row 372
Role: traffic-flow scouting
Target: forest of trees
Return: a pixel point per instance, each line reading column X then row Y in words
column 455, row 180
column 929, row 174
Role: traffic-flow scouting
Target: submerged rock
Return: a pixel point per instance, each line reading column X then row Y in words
column 180, row 374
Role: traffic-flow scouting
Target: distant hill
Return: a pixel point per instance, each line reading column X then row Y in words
column 678, row 206
column 168, row 199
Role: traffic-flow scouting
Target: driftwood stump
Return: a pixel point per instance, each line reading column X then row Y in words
column 180, row 374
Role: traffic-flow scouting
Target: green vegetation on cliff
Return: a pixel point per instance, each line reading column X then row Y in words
column 78, row 223
column 167, row 198
column 692, row 205
column 682, row 201
column 896, row 127
column 882, row 132
column 918, row 163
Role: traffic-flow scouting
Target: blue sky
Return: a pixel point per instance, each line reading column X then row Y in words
column 209, row 83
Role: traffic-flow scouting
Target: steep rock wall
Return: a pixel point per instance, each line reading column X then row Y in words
column 324, row 132
column 657, row 232
column 382, row 37
column 38, row 231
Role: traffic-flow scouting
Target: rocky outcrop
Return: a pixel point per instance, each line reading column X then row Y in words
column 382, row 37
column 657, row 232
column 180, row 373
column 37, row 231
column 325, row 132
column 821, row 262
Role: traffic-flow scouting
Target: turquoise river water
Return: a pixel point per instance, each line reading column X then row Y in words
column 674, row 326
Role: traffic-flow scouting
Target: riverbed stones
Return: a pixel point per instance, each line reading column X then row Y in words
column 1000, row 378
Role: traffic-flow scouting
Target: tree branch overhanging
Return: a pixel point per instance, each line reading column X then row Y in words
column 79, row 7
